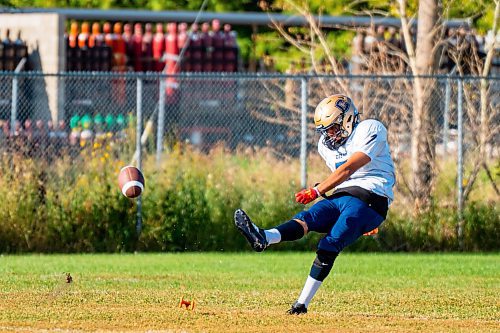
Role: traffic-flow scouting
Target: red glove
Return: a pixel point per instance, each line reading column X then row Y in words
column 307, row 195
column 373, row 232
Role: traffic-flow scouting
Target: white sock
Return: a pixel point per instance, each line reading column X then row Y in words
column 310, row 288
column 273, row 236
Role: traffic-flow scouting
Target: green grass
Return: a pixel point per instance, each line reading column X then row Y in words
column 247, row 292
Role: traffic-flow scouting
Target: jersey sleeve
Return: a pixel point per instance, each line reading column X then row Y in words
column 370, row 138
column 321, row 148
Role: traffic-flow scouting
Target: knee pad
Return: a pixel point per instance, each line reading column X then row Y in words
column 323, row 264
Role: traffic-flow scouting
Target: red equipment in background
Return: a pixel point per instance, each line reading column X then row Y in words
column 73, row 35
column 159, row 48
column 106, row 30
column 218, row 46
column 172, row 57
column 129, row 48
column 87, row 51
column 83, row 37
column 196, row 49
column 108, row 41
column 230, row 50
column 147, row 48
column 83, row 43
column 96, row 42
column 73, row 61
column 212, row 49
column 118, row 47
column 208, row 47
column 182, row 39
column 119, row 63
column 137, row 48
column 96, row 38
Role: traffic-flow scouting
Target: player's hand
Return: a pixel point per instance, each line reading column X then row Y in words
column 307, row 195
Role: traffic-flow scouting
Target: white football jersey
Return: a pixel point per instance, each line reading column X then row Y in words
column 370, row 138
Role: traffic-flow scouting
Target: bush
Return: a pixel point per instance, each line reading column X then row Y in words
column 188, row 205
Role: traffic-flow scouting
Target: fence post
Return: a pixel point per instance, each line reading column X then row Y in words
column 15, row 95
column 446, row 116
column 13, row 110
column 303, row 132
column 460, row 166
column 161, row 121
column 138, row 224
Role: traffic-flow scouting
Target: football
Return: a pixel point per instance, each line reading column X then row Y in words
column 131, row 181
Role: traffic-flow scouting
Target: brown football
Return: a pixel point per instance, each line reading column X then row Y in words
column 131, row 181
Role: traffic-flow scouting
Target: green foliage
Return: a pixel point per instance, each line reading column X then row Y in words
column 333, row 7
column 340, row 43
column 480, row 11
column 53, row 206
column 188, row 205
column 212, row 5
column 437, row 230
column 482, row 227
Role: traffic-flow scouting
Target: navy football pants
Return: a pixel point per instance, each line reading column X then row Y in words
column 344, row 219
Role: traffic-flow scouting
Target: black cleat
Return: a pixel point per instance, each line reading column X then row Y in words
column 297, row 309
column 255, row 236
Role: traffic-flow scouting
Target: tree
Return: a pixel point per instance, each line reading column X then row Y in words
column 423, row 61
column 485, row 117
column 484, row 125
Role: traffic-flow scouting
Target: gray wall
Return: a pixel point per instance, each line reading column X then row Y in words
column 43, row 34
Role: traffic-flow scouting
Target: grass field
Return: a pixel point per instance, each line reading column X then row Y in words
column 247, row 292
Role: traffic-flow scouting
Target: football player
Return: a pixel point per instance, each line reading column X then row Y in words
column 362, row 179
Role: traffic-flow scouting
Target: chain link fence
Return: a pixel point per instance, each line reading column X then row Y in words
column 54, row 116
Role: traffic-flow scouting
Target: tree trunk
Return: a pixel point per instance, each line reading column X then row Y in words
column 423, row 141
column 485, row 117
